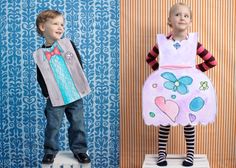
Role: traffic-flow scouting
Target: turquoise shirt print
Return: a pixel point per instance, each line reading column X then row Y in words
column 64, row 79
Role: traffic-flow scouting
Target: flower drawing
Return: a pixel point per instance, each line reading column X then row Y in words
column 203, row 85
column 174, row 84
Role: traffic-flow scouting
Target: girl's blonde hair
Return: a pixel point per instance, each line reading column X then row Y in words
column 44, row 16
column 172, row 9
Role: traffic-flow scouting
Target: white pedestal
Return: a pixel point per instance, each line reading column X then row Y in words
column 65, row 159
column 175, row 161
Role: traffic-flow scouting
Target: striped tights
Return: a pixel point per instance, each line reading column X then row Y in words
column 189, row 133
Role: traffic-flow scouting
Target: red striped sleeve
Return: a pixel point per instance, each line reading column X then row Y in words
column 209, row 60
column 151, row 58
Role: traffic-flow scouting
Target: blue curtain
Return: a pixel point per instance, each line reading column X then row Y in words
column 94, row 27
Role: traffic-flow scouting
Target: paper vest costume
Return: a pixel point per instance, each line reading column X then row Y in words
column 178, row 93
column 62, row 72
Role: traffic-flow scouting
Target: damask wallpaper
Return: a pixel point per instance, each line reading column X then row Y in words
column 94, row 27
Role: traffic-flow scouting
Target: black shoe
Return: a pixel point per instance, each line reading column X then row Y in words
column 164, row 163
column 187, row 164
column 82, row 157
column 48, row 158
column 162, row 159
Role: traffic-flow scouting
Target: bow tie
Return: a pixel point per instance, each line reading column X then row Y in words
column 52, row 53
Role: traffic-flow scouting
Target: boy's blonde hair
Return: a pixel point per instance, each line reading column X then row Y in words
column 174, row 7
column 44, row 16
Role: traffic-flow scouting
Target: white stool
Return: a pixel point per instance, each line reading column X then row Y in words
column 65, row 159
column 175, row 161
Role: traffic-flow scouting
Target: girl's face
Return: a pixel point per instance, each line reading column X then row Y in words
column 53, row 29
column 180, row 18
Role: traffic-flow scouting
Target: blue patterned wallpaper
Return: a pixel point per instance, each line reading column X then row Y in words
column 94, row 27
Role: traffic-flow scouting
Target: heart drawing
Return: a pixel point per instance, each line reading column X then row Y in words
column 192, row 117
column 168, row 107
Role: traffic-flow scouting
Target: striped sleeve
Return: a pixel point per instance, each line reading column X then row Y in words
column 209, row 60
column 152, row 59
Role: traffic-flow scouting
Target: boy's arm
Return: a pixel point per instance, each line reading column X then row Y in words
column 42, row 83
column 209, row 60
column 77, row 53
column 152, row 59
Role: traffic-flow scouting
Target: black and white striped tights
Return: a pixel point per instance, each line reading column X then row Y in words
column 189, row 133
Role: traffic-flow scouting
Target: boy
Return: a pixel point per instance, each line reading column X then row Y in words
column 63, row 83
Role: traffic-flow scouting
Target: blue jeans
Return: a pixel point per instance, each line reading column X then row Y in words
column 76, row 131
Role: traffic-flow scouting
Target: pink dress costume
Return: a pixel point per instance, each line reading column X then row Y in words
column 178, row 93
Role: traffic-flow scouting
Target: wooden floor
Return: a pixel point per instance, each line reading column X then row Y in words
column 175, row 161
column 65, row 159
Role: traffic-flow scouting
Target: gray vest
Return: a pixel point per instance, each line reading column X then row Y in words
column 73, row 66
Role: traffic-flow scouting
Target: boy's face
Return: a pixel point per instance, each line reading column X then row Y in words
column 53, row 29
column 180, row 18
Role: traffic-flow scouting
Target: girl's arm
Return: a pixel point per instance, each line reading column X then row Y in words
column 209, row 60
column 152, row 59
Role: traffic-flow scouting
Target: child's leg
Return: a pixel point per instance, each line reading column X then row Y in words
column 54, row 116
column 162, row 141
column 189, row 133
column 76, row 131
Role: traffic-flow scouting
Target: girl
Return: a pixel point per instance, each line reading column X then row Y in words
column 178, row 93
